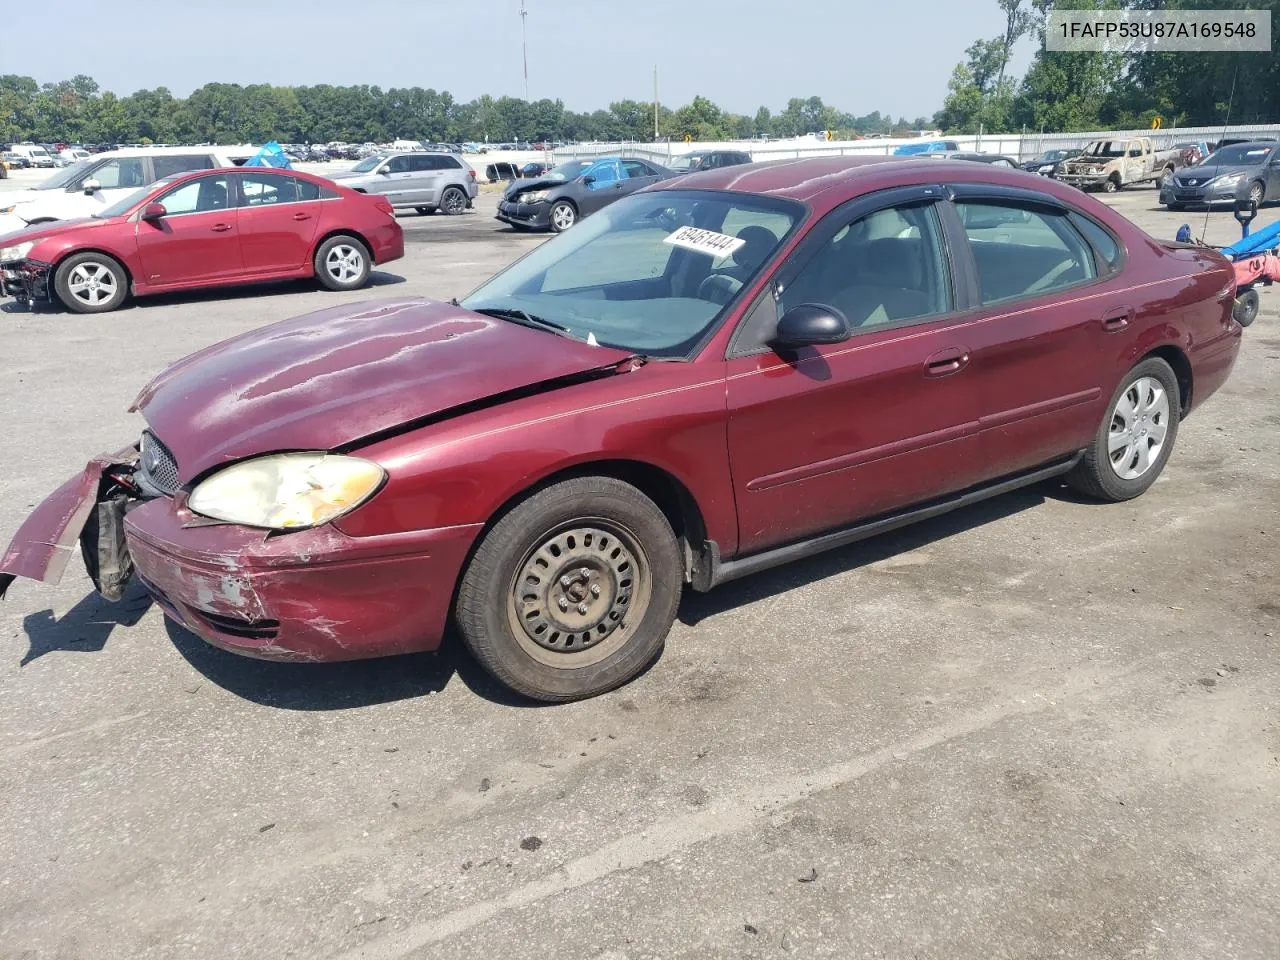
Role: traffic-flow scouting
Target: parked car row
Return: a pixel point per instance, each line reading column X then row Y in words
column 659, row 400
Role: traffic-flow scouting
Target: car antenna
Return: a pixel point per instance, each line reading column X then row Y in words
column 1208, row 208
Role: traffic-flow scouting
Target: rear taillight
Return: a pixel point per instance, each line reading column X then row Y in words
column 473, row 174
column 385, row 206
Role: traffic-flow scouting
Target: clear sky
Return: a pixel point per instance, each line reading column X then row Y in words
column 859, row 55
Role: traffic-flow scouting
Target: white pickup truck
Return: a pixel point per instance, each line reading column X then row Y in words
column 1111, row 164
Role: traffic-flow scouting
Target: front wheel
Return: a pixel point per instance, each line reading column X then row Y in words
column 1246, row 306
column 453, row 201
column 343, row 263
column 1175, row 207
column 573, row 591
column 1110, row 185
column 91, row 283
column 1136, row 436
column 1257, row 193
column 563, row 216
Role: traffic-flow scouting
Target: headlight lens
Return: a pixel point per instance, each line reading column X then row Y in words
column 1047, row 168
column 287, row 491
column 533, row 196
column 1230, row 178
column 17, row 251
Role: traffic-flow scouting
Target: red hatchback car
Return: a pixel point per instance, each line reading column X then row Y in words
column 718, row 374
column 204, row 229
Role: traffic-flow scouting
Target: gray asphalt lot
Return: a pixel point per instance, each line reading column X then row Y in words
column 1040, row 727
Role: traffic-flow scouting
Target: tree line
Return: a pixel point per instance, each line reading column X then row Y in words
column 78, row 111
column 1100, row 91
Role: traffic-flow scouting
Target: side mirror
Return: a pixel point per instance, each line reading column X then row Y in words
column 811, row 324
column 90, row 187
column 154, row 211
column 588, row 180
column 385, row 170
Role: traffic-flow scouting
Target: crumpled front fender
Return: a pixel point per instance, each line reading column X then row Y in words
column 48, row 537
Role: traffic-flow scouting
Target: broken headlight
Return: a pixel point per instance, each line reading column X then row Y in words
column 287, row 491
column 16, row 252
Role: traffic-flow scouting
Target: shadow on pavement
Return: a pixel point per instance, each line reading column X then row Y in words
column 85, row 627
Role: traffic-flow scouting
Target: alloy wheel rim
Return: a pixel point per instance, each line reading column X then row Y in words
column 92, row 283
column 344, row 263
column 1139, row 427
column 1255, row 193
column 563, row 216
column 453, row 200
column 578, row 595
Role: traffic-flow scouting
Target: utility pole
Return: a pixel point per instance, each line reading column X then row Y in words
column 655, row 103
column 524, row 46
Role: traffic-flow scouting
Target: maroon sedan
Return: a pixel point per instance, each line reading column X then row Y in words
column 208, row 228
column 707, row 378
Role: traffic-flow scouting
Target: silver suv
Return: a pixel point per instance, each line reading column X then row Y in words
column 425, row 181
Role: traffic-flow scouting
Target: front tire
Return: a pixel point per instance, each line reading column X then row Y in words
column 1135, row 438
column 1257, row 193
column 91, row 283
column 453, row 201
column 573, row 592
column 343, row 263
column 563, row 216
column 1175, row 207
column 1110, row 185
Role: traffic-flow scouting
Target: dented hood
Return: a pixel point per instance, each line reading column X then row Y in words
column 332, row 378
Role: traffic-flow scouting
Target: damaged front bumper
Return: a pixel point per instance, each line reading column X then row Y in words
column 312, row 595
column 27, row 281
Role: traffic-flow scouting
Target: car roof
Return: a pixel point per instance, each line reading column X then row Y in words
column 245, row 151
column 825, row 182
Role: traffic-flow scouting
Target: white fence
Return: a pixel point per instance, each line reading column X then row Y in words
column 1021, row 147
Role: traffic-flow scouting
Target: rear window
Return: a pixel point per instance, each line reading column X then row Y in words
column 167, row 166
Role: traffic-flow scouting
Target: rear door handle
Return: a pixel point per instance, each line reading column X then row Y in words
column 302, row 216
column 946, row 362
column 1117, row 319
column 221, row 227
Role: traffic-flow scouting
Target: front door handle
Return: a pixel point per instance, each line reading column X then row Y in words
column 1117, row 320
column 946, row 362
column 302, row 216
column 221, row 227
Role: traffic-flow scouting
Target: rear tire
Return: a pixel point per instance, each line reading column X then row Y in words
column 425, row 211
column 91, row 283
column 1135, row 438
column 343, row 263
column 573, row 591
column 453, row 201
column 1245, row 310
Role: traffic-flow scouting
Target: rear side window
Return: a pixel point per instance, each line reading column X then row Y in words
column 305, row 190
column 166, row 166
column 1104, row 245
column 1023, row 252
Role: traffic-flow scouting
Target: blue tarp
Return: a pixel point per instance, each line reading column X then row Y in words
column 1258, row 242
column 270, row 156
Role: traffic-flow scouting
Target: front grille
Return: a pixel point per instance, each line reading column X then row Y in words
column 159, row 469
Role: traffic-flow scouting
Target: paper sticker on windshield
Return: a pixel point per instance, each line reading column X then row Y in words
column 704, row 241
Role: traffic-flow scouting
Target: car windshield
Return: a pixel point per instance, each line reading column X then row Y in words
column 367, row 164
column 649, row 274
column 1238, row 155
column 686, row 162
column 1053, row 156
column 133, row 196
column 66, row 175
column 1108, row 148
column 568, row 171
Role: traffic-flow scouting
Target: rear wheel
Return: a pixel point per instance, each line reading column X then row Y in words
column 91, row 283
column 573, row 592
column 343, row 263
column 1245, row 310
column 453, row 201
column 1135, row 437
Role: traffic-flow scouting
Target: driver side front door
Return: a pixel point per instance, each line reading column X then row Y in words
column 604, row 188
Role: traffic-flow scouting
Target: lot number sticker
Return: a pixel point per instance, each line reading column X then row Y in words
column 705, row 241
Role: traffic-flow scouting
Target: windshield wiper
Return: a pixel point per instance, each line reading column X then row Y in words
column 525, row 319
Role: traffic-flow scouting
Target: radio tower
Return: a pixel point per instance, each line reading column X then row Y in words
column 524, row 45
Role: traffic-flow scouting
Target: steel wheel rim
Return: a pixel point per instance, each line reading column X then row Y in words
column 453, row 201
column 579, row 594
column 563, row 216
column 1139, row 428
column 92, row 283
column 344, row 263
